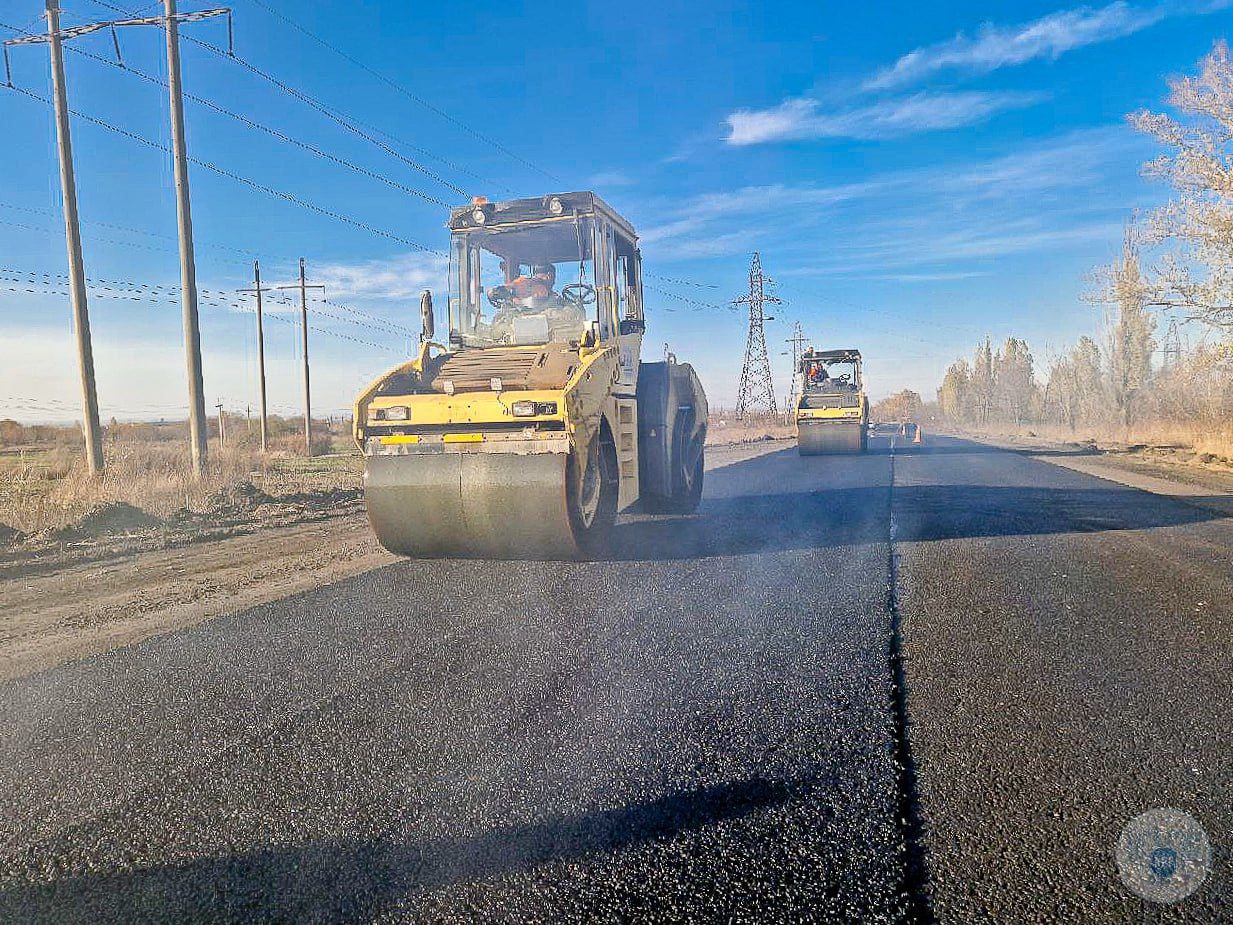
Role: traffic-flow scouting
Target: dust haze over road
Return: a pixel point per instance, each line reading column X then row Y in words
column 704, row 727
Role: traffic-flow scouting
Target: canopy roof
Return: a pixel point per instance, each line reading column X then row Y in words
column 835, row 356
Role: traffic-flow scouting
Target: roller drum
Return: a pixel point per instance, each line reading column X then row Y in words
column 818, row 439
column 468, row 504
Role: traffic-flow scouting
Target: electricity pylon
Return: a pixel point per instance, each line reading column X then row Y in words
column 757, row 388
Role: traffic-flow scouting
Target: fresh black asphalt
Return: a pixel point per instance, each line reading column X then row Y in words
column 706, row 726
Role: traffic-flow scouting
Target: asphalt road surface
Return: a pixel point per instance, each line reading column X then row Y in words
column 933, row 682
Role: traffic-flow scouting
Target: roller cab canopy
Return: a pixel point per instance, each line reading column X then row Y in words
column 557, row 269
column 835, row 356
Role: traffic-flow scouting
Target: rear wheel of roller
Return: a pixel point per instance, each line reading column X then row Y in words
column 591, row 494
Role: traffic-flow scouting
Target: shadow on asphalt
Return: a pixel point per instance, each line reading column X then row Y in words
column 806, row 512
column 348, row 880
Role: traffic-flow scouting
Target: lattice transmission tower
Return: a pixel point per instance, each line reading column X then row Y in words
column 757, row 388
column 1172, row 348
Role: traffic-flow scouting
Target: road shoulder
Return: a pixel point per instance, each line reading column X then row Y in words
column 1204, row 487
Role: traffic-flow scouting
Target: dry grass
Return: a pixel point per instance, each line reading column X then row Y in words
column 1209, row 444
column 49, row 489
column 725, row 428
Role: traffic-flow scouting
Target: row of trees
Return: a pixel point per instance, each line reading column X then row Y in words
column 1115, row 381
column 997, row 385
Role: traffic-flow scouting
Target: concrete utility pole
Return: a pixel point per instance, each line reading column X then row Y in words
column 308, row 413
column 188, row 263
column 265, row 423
column 91, row 428
column 188, row 275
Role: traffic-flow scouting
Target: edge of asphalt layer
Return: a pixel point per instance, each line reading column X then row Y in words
column 1184, row 492
column 1100, row 466
column 916, row 858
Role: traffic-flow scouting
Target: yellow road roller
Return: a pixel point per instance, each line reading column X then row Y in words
column 534, row 422
column 832, row 414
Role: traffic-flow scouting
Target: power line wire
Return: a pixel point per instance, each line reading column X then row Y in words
column 424, row 152
column 247, row 181
column 453, row 120
column 261, row 127
column 325, row 110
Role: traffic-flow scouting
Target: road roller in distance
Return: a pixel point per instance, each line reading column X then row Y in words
column 832, row 414
column 527, row 428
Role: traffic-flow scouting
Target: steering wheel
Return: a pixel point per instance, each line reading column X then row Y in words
column 500, row 297
column 579, row 293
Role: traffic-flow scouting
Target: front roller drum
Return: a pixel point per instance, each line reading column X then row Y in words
column 492, row 505
column 819, row 439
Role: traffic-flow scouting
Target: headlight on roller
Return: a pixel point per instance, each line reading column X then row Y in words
column 397, row 413
column 524, row 409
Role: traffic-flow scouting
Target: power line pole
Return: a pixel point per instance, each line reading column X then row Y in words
column 169, row 22
column 188, row 264
column 797, row 340
column 92, row 430
column 1172, row 347
column 265, row 423
column 757, row 388
column 308, row 413
column 222, row 424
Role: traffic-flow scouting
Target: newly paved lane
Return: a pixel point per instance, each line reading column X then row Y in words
column 1068, row 645
column 701, row 729
column 706, row 727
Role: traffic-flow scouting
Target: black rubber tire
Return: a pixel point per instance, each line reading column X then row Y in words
column 594, row 539
column 687, row 481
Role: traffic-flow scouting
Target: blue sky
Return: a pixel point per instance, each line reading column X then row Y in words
column 914, row 175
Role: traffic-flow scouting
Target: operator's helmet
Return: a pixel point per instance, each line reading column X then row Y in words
column 546, row 270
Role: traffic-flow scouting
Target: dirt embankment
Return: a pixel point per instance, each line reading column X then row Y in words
column 118, row 573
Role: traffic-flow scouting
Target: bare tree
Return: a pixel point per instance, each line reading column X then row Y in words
column 982, row 382
column 1075, row 384
column 1198, row 277
column 1014, row 380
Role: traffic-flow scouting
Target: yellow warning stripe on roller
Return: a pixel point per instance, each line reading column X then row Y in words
column 401, row 438
column 463, row 438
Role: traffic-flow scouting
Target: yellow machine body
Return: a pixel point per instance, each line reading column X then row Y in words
column 525, row 450
column 833, row 416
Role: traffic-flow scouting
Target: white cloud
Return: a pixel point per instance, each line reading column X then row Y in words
column 803, row 118
column 607, row 179
column 398, row 278
column 937, row 245
column 1050, row 36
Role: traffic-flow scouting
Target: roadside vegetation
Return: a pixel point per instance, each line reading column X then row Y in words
column 46, row 494
column 1162, row 372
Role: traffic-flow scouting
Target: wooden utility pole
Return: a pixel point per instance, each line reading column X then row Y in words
column 265, row 423
column 91, row 428
column 308, row 413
